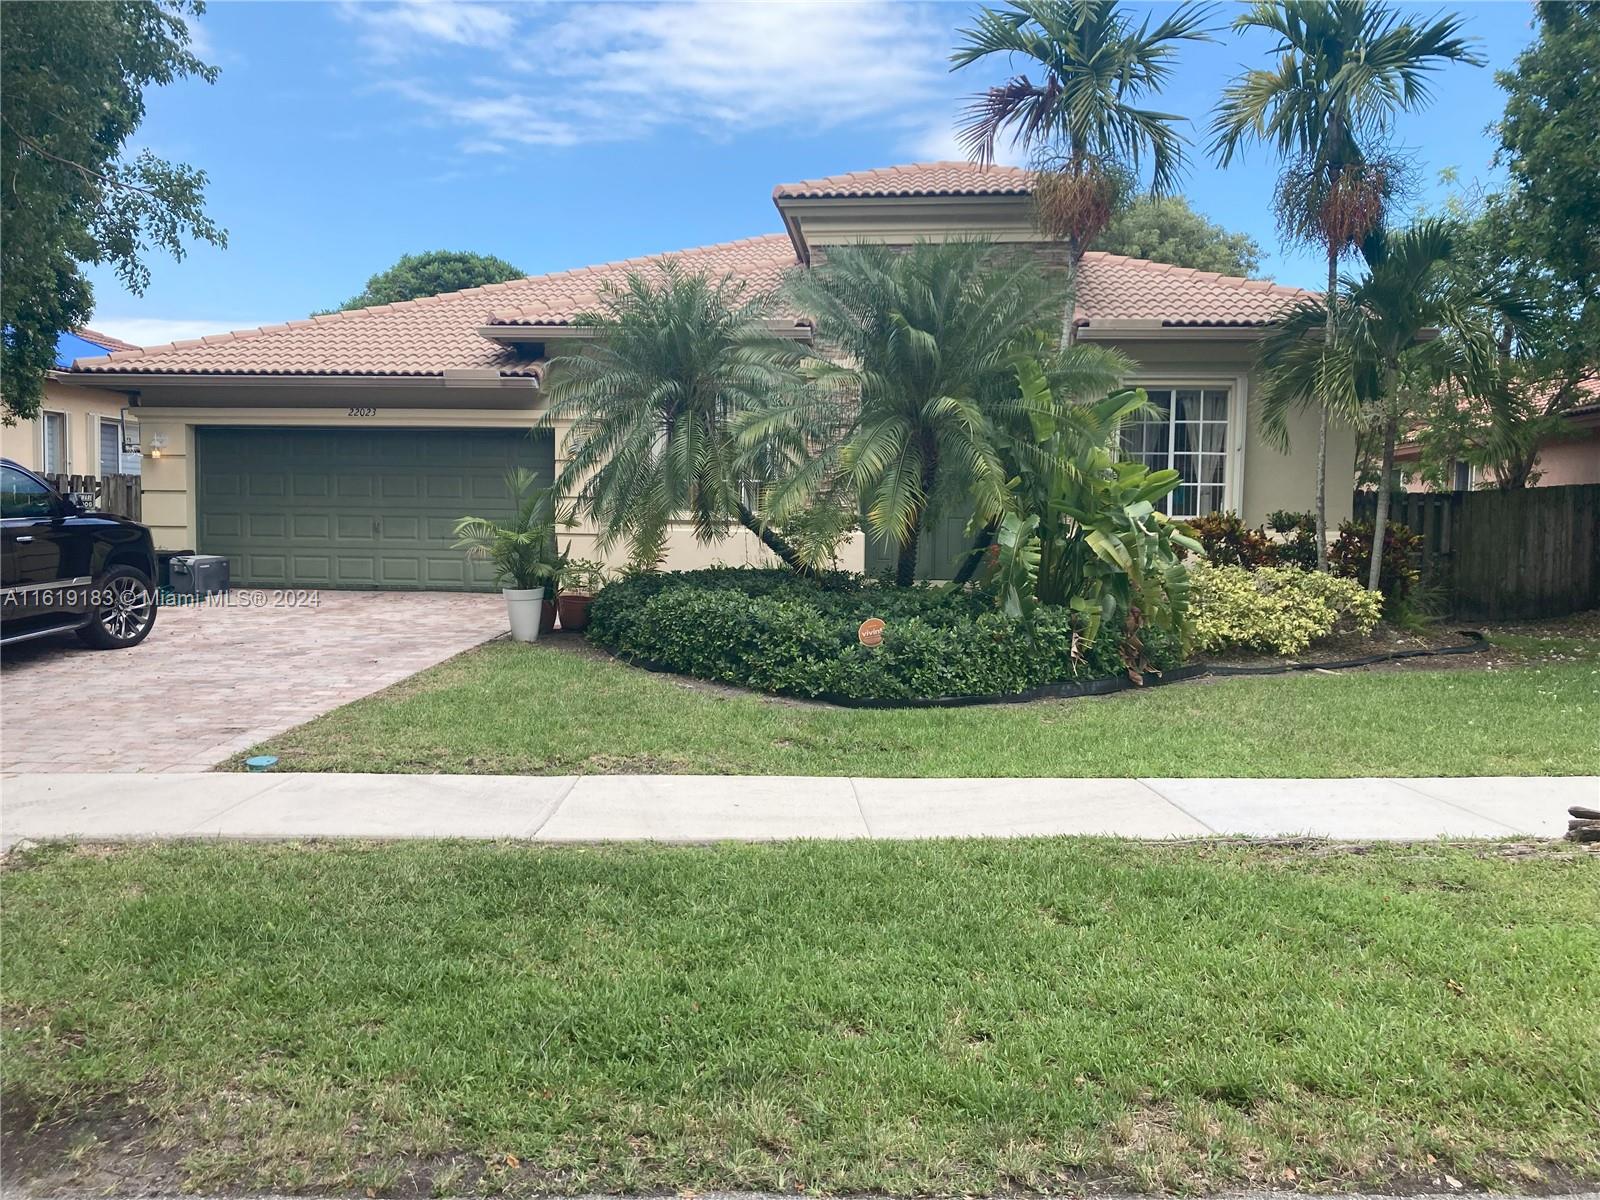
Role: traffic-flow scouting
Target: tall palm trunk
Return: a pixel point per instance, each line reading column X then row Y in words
column 1329, row 333
column 905, row 570
column 1069, row 325
column 1380, row 523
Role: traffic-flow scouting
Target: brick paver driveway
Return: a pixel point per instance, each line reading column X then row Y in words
column 214, row 679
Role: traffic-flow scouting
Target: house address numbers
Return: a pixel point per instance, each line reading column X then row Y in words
column 363, row 412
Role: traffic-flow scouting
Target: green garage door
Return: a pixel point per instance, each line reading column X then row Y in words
column 355, row 508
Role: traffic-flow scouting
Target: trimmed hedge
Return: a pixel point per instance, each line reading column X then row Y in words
column 775, row 632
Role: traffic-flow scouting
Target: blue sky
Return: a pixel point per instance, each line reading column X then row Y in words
column 342, row 135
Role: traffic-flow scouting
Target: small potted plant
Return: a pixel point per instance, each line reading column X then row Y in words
column 581, row 579
column 522, row 552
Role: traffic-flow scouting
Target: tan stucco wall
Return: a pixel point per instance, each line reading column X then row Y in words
column 169, row 480
column 23, row 442
column 1270, row 479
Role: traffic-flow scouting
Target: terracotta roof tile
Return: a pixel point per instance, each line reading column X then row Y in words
column 914, row 179
column 1114, row 287
column 104, row 339
column 428, row 336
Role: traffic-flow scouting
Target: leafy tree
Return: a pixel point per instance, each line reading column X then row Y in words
column 432, row 273
column 1548, row 141
column 653, row 397
column 916, row 358
column 1082, row 119
column 1501, row 408
column 1165, row 229
column 73, row 78
column 1381, row 319
column 1342, row 70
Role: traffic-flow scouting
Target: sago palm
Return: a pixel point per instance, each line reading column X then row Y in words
column 653, row 398
column 1343, row 70
column 1380, row 320
column 915, row 354
column 1081, row 119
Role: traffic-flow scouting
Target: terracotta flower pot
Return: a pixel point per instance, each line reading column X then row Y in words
column 547, row 616
column 574, row 608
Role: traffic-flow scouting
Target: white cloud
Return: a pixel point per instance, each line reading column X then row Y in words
column 157, row 331
column 390, row 31
column 937, row 142
column 563, row 74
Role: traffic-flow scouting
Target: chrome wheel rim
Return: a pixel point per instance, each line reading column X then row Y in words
column 127, row 609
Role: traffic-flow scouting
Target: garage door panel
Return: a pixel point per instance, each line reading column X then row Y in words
column 310, row 527
column 384, row 502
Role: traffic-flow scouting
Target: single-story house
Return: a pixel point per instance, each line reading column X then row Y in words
column 1572, row 458
column 338, row 451
column 79, row 430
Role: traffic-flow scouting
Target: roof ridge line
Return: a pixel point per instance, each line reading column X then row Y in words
column 350, row 314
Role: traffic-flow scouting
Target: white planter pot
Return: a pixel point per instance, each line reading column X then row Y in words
column 523, row 606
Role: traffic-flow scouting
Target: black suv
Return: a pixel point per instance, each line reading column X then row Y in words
column 67, row 569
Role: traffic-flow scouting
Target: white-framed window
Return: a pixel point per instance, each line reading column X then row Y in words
column 109, row 437
column 53, row 443
column 1187, row 430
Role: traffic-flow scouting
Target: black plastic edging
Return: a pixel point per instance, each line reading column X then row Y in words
column 1104, row 686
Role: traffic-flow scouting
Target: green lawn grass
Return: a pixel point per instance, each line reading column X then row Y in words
column 915, row 1017
column 515, row 709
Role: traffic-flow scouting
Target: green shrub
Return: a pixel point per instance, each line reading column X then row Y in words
column 775, row 632
column 1351, row 556
column 1279, row 609
column 1229, row 542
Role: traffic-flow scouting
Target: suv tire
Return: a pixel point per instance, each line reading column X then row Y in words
column 124, row 612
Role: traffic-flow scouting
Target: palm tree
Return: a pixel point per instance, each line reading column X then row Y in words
column 653, row 398
column 1381, row 320
column 920, row 343
column 1081, row 120
column 1343, row 70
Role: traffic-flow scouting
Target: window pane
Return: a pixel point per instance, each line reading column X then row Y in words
column 1216, row 405
column 1160, row 398
column 1189, row 404
column 1183, row 501
column 110, row 448
column 1214, row 438
column 1210, row 500
column 21, row 496
column 1211, row 466
column 1157, row 441
column 1187, row 466
column 1185, row 438
column 55, row 430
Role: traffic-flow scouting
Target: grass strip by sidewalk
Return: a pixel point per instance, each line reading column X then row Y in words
column 513, row 709
column 912, row 1017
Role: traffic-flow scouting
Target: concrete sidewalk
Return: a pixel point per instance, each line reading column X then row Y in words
column 696, row 808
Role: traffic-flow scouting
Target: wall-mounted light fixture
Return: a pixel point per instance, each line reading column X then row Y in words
column 158, row 443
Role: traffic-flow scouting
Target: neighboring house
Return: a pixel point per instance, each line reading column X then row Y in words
column 1572, row 458
column 339, row 450
column 78, row 430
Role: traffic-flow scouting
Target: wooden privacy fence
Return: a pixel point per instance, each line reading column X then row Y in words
column 118, row 494
column 1506, row 555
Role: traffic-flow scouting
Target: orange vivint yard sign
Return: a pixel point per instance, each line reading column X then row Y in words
column 871, row 632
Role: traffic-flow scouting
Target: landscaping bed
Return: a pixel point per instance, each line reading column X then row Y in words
column 774, row 632
column 938, row 1018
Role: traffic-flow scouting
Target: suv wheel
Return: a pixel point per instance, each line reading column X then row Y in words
column 127, row 610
